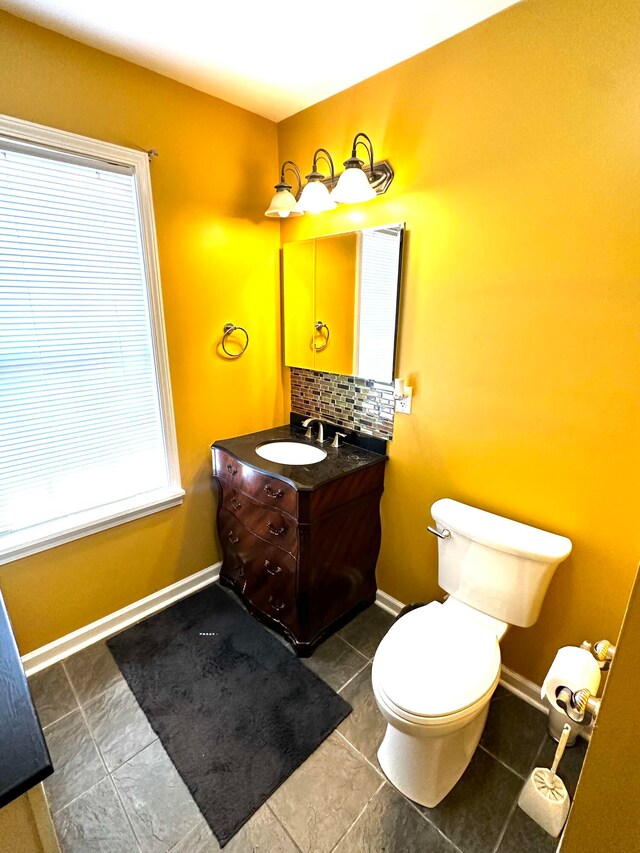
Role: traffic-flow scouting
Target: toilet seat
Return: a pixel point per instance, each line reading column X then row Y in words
column 434, row 663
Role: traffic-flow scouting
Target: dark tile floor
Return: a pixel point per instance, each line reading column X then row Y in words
column 115, row 789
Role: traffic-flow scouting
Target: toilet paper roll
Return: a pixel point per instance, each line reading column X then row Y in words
column 573, row 668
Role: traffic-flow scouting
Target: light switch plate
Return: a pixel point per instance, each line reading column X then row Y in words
column 404, row 405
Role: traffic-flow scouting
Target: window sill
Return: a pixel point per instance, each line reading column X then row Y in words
column 51, row 534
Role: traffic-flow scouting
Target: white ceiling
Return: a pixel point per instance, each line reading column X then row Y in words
column 273, row 57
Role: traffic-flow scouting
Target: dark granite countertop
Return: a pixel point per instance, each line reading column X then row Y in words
column 24, row 758
column 339, row 462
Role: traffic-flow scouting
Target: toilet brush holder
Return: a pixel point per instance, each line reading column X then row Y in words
column 544, row 796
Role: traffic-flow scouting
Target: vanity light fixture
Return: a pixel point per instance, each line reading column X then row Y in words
column 284, row 203
column 315, row 196
column 360, row 181
column 353, row 184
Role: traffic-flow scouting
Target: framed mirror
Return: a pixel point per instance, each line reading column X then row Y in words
column 341, row 297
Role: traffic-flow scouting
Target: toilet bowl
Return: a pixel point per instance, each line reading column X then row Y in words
column 435, row 671
column 433, row 676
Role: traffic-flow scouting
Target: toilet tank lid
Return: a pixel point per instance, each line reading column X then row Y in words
column 500, row 533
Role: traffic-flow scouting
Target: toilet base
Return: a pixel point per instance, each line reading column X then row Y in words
column 426, row 767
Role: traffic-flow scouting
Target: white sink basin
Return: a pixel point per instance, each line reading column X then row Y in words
column 291, row 452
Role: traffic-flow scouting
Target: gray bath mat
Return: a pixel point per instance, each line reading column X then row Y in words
column 234, row 709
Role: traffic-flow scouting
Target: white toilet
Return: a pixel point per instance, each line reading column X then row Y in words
column 436, row 669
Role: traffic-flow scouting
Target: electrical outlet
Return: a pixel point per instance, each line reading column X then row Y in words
column 404, row 405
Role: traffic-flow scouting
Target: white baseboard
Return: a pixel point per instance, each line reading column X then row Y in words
column 388, row 603
column 115, row 622
column 522, row 687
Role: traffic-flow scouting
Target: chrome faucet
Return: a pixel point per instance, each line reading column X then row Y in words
column 309, row 432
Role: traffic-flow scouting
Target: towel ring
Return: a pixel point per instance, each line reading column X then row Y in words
column 229, row 329
column 319, row 326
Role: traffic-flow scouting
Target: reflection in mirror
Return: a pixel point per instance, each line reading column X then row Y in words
column 341, row 302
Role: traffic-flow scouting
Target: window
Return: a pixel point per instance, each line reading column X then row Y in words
column 87, row 438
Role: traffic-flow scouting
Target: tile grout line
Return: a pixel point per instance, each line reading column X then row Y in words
column 541, row 747
column 59, row 719
column 75, row 695
column 430, row 822
column 74, row 800
column 360, row 813
column 360, row 754
column 353, row 677
column 503, row 831
column 280, row 823
column 188, row 832
column 81, row 706
column 406, row 799
column 349, row 649
column 355, row 649
column 95, row 743
column 136, row 753
column 504, row 764
column 513, row 808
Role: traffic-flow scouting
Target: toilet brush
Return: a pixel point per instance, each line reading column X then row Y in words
column 544, row 796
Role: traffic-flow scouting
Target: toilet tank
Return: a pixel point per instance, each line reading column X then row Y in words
column 500, row 567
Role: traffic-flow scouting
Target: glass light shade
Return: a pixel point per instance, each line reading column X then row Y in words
column 315, row 198
column 283, row 204
column 353, row 186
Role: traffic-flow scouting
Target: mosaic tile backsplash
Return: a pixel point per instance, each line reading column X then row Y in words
column 363, row 405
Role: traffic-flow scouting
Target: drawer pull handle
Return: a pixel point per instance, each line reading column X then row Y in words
column 277, row 531
column 271, row 568
column 276, row 605
column 233, row 471
column 232, row 537
column 270, row 492
column 236, row 504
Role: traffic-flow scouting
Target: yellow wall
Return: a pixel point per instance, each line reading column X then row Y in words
column 515, row 146
column 218, row 263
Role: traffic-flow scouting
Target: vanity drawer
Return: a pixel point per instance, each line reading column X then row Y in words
column 270, row 586
column 272, row 526
column 266, row 489
column 266, row 575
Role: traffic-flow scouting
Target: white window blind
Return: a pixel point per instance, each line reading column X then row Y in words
column 82, row 437
column 380, row 249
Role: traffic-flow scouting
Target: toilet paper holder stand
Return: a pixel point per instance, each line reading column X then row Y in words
column 582, row 706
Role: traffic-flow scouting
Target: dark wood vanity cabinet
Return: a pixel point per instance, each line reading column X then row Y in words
column 303, row 560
